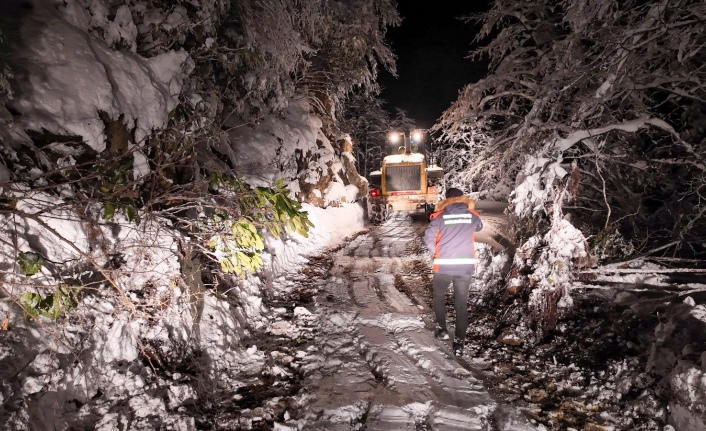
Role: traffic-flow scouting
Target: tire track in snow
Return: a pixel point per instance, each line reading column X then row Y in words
column 379, row 367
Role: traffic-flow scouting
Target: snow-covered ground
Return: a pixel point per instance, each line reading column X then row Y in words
column 370, row 359
column 108, row 363
column 144, row 343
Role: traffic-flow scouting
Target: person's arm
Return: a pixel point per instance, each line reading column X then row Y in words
column 430, row 234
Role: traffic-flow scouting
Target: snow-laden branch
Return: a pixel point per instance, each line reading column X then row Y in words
column 644, row 271
column 630, row 126
column 623, row 73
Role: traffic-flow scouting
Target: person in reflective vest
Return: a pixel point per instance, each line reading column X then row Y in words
column 451, row 236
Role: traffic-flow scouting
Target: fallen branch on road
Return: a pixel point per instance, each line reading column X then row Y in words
column 642, row 271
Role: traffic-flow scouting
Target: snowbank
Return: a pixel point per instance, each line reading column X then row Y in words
column 152, row 312
column 69, row 76
column 331, row 226
column 295, row 148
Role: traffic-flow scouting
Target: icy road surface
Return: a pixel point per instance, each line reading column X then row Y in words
column 379, row 366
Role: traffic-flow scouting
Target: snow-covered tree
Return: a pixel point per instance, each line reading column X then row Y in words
column 599, row 101
column 350, row 48
column 149, row 138
column 616, row 87
column 368, row 123
column 321, row 50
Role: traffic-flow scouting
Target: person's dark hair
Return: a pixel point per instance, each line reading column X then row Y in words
column 453, row 193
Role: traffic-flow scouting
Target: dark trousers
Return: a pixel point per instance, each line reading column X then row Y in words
column 462, row 284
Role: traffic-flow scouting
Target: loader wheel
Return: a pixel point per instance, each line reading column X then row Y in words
column 376, row 216
column 428, row 209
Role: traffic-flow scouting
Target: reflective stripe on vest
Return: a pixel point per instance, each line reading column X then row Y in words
column 449, row 216
column 459, row 261
column 457, row 219
column 448, row 222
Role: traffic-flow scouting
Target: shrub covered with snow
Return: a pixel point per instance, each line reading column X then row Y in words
column 544, row 266
column 569, row 115
column 128, row 203
column 67, row 97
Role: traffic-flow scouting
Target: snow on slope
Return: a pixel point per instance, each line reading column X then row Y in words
column 97, row 368
column 291, row 146
column 68, row 76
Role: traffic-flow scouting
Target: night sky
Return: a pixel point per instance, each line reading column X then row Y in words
column 431, row 46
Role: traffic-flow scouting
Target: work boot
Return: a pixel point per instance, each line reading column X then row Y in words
column 458, row 347
column 440, row 333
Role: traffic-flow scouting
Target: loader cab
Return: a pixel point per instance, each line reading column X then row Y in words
column 404, row 182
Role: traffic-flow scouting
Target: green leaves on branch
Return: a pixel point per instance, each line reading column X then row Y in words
column 611, row 244
column 285, row 211
column 63, row 300
column 116, row 189
column 53, row 305
column 238, row 249
column 30, row 263
column 237, row 242
column 125, row 206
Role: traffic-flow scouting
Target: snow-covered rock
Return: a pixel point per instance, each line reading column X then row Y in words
column 69, row 77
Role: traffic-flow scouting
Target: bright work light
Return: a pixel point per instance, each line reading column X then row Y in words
column 417, row 136
column 394, row 137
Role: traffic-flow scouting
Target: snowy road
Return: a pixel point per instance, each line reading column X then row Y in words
column 378, row 365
